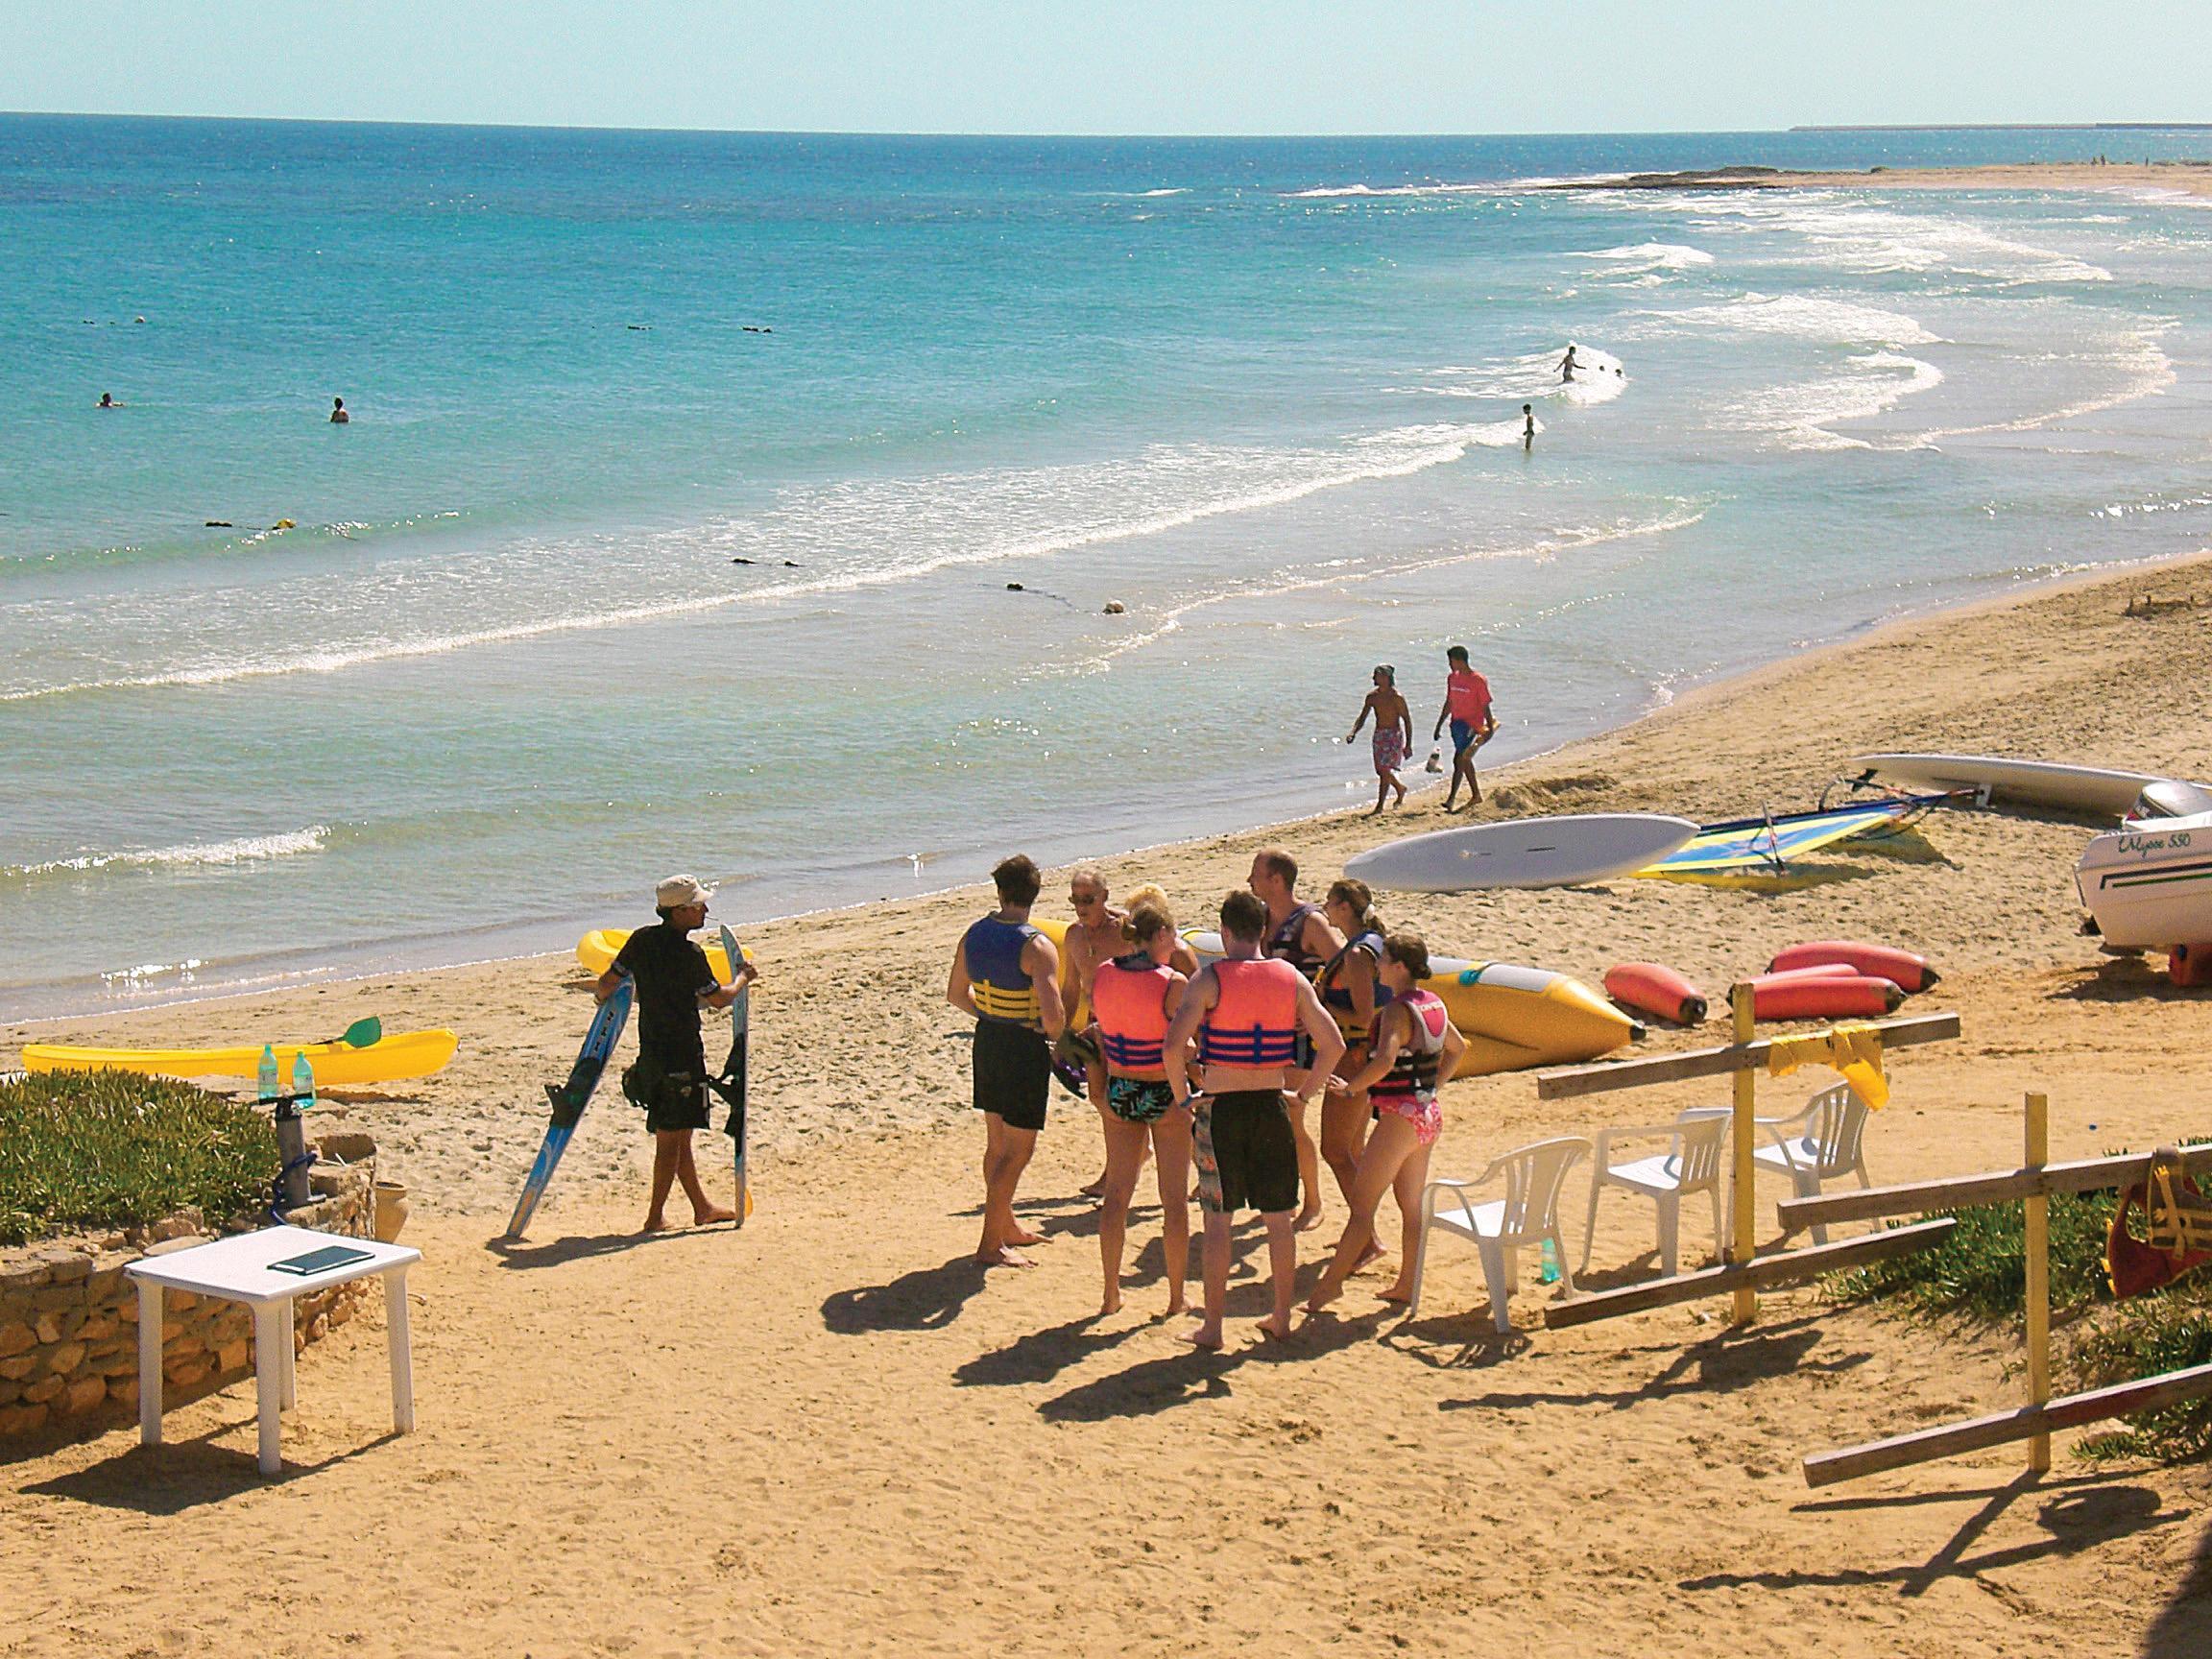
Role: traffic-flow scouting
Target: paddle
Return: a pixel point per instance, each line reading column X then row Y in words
column 362, row 1033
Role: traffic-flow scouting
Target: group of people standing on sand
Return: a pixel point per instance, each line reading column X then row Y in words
column 1467, row 705
column 1211, row 1064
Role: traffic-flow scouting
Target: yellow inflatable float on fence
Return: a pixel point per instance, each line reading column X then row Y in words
column 337, row 1065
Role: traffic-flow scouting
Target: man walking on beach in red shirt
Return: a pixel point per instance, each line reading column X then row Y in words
column 1467, row 705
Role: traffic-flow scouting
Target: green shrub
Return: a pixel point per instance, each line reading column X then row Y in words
column 2166, row 1332
column 1982, row 1269
column 94, row 1149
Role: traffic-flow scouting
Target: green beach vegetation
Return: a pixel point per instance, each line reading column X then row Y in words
column 1980, row 1273
column 103, row 1149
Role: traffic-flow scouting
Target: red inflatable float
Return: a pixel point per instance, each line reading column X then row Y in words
column 1650, row 988
column 1902, row 968
column 1842, row 996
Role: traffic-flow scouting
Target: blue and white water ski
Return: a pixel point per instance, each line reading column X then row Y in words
column 732, row 1086
column 569, row 1099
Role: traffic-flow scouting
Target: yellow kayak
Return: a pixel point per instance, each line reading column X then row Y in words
column 337, row 1065
column 596, row 951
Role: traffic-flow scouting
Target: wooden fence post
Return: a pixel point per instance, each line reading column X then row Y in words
column 2038, row 1218
column 1743, row 1222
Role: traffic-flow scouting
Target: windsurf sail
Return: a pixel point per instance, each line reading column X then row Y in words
column 1765, row 846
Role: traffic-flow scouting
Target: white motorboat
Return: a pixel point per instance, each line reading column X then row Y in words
column 2150, row 885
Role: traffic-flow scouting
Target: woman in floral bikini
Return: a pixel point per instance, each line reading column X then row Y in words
column 1415, row 1047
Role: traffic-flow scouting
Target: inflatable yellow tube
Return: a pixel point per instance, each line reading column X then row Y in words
column 596, row 951
column 405, row 1054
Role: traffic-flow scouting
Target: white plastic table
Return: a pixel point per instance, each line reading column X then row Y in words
column 238, row 1269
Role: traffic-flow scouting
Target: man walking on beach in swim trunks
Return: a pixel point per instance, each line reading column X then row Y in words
column 669, row 1078
column 1095, row 938
column 1300, row 935
column 1246, row 1013
column 1467, row 705
column 1007, row 975
column 1393, row 733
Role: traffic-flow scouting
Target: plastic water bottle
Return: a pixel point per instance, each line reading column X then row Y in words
column 269, row 1088
column 1549, row 1272
column 302, row 1083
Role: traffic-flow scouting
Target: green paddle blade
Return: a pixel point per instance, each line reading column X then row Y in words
column 364, row 1033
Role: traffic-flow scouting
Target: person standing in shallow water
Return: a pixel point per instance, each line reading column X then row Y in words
column 1006, row 973
column 338, row 414
column 669, row 1077
column 1467, row 705
column 1393, row 738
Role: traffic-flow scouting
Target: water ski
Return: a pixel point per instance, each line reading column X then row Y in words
column 569, row 1099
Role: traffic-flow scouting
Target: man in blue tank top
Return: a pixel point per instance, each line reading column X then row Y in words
column 1007, row 975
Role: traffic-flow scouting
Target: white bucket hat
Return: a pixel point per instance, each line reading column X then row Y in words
column 678, row 891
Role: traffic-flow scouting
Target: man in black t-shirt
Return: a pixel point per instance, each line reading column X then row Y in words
column 669, row 1078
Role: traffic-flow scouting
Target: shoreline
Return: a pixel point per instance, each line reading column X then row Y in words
column 351, row 972
column 2183, row 177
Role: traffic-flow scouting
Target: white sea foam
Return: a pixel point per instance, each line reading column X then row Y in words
column 1855, row 235
column 1804, row 415
column 1334, row 192
column 1652, row 256
column 853, row 534
column 1805, row 317
column 1528, row 378
column 1340, row 573
column 2144, row 371
column 244, row 850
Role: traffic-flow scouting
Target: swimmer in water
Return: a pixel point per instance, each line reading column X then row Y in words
column 338, row 414
column 108, row 400
column 1568, row 365
column 1528, row 427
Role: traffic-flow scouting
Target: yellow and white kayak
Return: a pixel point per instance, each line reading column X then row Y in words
column 337, row 1065
column 596, row 951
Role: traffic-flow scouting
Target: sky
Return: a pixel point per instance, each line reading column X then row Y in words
column 1119, row 66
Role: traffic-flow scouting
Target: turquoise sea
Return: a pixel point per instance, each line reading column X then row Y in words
column 688, row 474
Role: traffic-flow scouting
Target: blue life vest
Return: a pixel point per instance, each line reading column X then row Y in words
column 1001, row 985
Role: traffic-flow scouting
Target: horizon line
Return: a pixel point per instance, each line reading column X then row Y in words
column 1141, row 136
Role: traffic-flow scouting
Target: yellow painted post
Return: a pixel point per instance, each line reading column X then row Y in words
column 2038, row 1216
column 1744, row 1225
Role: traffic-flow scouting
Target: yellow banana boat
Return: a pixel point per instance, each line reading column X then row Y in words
column 1513, row 1017
column 337, row 1065
column 596, row 951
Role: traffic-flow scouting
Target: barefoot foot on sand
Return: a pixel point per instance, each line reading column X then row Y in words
column 1271, row 1331
column 1399, row 1291
column 1373, row 1253
column 1110, row 1303
column 655, row 1225
column 1199, row 1337
column 1023, row 1236
column 710, row 1215
column 1308, row 1220
column 1005, row 1256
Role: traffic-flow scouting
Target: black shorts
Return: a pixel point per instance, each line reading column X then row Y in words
column 1013, row 1072
column 674, row 1098
column 1246, row 1154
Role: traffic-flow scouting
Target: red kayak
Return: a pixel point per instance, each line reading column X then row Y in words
column 1844, row 996
column 1905, row 970
column 1648, row 987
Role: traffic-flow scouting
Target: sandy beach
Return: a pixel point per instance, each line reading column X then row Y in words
column 831, row 1431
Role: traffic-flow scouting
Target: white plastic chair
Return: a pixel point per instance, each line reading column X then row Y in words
column 1823, row 1142
column 1695, row 1161
column 1528, row 1214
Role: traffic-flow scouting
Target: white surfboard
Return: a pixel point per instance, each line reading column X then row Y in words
column 2047, row 783
column 1523, row 853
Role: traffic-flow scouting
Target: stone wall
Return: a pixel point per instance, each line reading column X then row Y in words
column 69, row 1316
